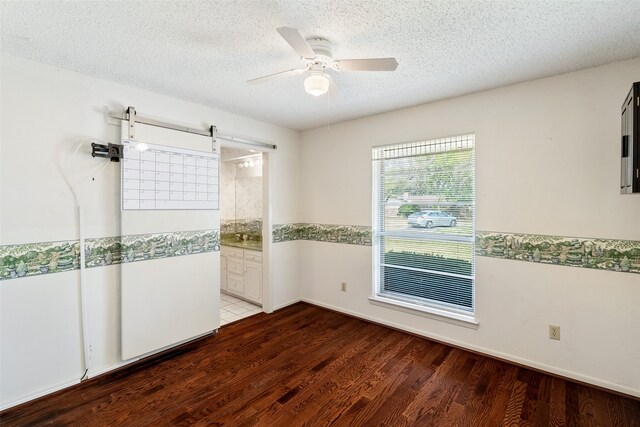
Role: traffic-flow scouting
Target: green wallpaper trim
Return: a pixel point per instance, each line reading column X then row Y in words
column 346, row 234
column 33, row 259
column 600, row 254
column 143, row 247
column 242, row 226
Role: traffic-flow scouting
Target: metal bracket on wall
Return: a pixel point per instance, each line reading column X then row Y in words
column 110, row 151
column 214, row 133
column 132, row 118
column 131, row 113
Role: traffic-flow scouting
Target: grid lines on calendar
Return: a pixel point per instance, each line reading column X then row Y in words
column 164, row 178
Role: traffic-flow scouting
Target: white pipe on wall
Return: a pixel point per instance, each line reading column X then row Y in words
column 84, row 321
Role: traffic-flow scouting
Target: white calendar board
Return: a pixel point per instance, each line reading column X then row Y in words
column 169, row 178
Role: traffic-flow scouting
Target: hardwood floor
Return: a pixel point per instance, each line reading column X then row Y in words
column 308, row 366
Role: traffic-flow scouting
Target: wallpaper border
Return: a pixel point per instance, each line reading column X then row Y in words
column 32, row 259
column 600, row 254
column 345, row 234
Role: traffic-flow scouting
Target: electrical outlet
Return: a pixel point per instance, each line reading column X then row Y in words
column 554, row 332
column 343, row 287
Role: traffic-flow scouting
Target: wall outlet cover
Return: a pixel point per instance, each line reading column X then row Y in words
column 554, row 332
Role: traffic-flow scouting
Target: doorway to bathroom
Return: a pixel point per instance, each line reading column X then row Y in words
column 241, row 234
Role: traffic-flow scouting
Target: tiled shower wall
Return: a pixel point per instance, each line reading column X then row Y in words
column 240, row 192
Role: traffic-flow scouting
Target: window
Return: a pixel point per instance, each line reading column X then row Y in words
column 424, row 223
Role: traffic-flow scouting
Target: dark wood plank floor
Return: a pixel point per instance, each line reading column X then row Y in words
column 307, row 366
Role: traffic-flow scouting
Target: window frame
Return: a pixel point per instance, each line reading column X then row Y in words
column 419, row 305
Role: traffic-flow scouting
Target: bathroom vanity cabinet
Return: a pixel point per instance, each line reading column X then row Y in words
column 241, row 271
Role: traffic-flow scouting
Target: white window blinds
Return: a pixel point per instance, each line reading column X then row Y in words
column 424, row 222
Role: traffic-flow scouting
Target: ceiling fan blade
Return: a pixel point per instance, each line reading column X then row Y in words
column 287, row 73
column 297, row 42
column 370, row 64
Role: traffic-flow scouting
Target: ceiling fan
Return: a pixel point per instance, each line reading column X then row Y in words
column 317, row 58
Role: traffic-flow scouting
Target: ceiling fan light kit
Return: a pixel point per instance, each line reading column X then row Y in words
column 316, row 55
column 316, row 84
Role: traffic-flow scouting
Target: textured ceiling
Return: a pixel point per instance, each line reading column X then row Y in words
column 204, row 51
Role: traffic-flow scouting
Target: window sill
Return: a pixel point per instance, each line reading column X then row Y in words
column 432, row 313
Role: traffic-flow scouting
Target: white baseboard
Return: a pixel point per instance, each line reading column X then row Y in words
column 29, row 397
column 286, row 304
column 489, row 352
column 96, row 373
column 91, row 374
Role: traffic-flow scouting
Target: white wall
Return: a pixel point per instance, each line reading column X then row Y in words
column 45, row 111
column 547, row 163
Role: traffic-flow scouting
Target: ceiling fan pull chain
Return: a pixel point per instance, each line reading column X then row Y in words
column 328, row 125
